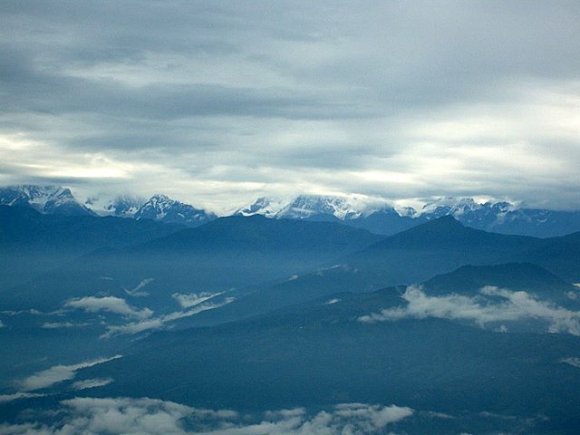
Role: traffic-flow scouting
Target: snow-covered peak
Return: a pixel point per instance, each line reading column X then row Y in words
column 316, row 207
column 48, row 199
column 121, row 206
column 268, row 207
column 449, row 206
column 459, row 207
column 162, row 208
column 307, row 206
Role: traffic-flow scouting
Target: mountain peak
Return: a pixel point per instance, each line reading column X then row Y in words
column 265, row 206
column 50, row 199
column 162, row 208
column 316, row 207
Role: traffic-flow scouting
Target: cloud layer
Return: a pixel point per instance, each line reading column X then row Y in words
column 151, row 416
column 57, row 374
column 111, row 304
column 492, row 306
column 218, row 103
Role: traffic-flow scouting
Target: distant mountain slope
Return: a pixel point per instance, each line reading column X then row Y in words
column 24, row 228
column 44, row 199
column 409, row 257
column 257, row 233
column 229, row 252
column 560, row 255
column 515, row 276
column 438, row 247
column 309, row 357
column 31, row 242
column 523, row 277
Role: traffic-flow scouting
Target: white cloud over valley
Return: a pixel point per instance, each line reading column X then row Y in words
column 111, row 304
column 493, row 305
column 152, row 416
column 56, row 374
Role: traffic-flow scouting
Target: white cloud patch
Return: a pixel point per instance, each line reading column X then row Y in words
column 333, row 301
column 137, row 291
column 59, row 373
column 491, row 305
column 573, row 361
column 57, row 325
column 160, row 322
column 152, row 416
column 31, row 311
column 4, row 398
column 186, row 300
column 111, row 304
column 91, row 383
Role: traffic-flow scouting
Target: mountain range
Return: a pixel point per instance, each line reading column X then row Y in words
column 471, row 331
column 377, row 216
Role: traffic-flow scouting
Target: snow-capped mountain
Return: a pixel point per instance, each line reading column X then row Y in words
column 375, row 215
column 164, row 209
column 121, row 206
column 45, row 199
column 382, row 218
column 315, row 207
column 311, row 206
column 503, row 217
column 268, row 207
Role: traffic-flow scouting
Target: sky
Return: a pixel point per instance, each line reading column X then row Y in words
column 218, row 102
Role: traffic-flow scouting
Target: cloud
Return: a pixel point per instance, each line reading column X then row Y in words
column 58, row 325
column 136, row 291
column 492, row 305
column 31, row 311
column 17, row 396
column 57, row 374
column 220, row 103
column 573, row 361
column 91, row 383
column 109, row 304
column 152, row 416
column 160, row 322
column 191, row 299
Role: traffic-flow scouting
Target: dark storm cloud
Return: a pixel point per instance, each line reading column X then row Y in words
column 214, row 99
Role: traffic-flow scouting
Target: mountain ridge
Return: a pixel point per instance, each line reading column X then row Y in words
column 375, row 215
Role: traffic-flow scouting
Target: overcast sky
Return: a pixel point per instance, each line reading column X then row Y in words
column 216, row 103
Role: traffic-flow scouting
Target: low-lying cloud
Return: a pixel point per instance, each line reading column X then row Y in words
column 111, row 304
column 492, row 305
column 151, row 416
column 4, row 398
column 56, row 374
column 187, row 300
column 137, row 291
column 573, row 361
column 160, row 322
column 91, row 383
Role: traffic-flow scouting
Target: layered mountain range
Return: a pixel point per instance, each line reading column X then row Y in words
column 467, row 331
column 377, row 216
